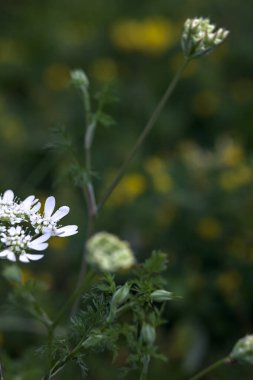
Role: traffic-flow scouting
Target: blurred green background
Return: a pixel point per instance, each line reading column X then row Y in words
column 189, row 191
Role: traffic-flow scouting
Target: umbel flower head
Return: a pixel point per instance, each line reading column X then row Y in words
column 108, row 253
column 199, row 37
column 24, row 229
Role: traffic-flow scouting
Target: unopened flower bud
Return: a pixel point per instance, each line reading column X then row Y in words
column 121, row 295
column 199, row 37
column 243, row 350
column 79, row 78
column 161, row 295
column 148, row 334
column 108, row 253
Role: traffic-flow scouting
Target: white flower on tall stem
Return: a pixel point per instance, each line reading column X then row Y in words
column 48, row 222
column 199, row 37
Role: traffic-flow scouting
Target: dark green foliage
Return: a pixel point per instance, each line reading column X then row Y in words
column 100, row 325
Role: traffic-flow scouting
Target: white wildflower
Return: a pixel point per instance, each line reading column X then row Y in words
column 16, row 241
column 48, row 222
column 199, row 37
column 23, row 229
column 13, row 211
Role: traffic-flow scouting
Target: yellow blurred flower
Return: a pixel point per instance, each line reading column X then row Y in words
column 12, row 131
column 130, row 187
column 154, row 164
column 194, row 156
column 230, row 152
column 229, row 282
column 209, row 228
column 162, row 182
column 205, row 103
column 157, row 170
column 151, row 36
column 56, row 77
column 234, row 178
column 104, row 69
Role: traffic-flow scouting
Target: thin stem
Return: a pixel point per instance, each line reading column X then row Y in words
column 151, row 122
column 83, row 269
column 1, row 373
column 209, row 369
column 144, row 372
column 89, row 193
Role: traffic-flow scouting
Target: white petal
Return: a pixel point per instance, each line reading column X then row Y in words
column 38, row 244
column 27, row 203
column 59, row 214
column 36, row 207
column 34, row 257
column 67, row 231
column 8, row 196
column 49, row 206
column 4, row 253
column 11, row 256
column 23, row 258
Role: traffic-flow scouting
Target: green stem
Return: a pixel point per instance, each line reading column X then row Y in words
column 1, row 373
column 144, row 372
column 143, row 135
column 84, row 266
column 61, row 363
column 89, row 193
column 209, row 369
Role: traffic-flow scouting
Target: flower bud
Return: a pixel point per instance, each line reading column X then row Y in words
column 121, row 295
column 148, row 334
column 108, row 253
column 161, row 295
column 79, row 78
column 199, row 37
column 243, row 350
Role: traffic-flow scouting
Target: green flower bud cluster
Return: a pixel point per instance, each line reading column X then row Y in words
column 199, row 37
column 79, row 79
column 243, row 350
column 108, row 253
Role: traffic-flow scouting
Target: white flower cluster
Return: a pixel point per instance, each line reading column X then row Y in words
column 108, row 253
column 199, row 37
column 23, row 228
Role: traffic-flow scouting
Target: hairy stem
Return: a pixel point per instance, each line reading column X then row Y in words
column 151, row 122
